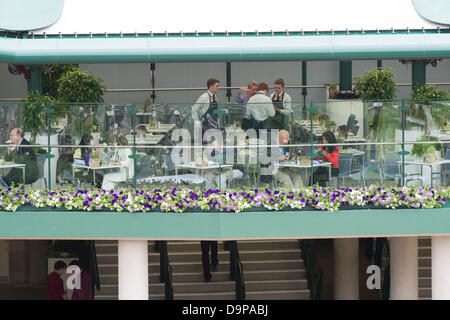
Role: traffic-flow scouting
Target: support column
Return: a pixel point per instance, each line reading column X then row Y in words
column 419, row 74
column 35, row 83
column 440, row 270
column 133, row 269
column 152, row 81
column 346, row 269
column 404, row 268
column 345, row 75
column 304, row 90
column 229, row 81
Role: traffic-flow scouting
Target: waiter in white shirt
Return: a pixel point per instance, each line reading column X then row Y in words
column 260, row 108
column 282, row 104
column 203, row 110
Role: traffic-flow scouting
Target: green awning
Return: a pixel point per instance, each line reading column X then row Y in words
column 225, row 48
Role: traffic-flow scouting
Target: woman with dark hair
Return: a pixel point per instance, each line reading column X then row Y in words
column 120, row 157
column 329, row 154
column 83, row 152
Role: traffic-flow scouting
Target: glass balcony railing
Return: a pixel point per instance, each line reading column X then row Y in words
column 223, row 145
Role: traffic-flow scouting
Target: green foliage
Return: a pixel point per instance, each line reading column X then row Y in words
column 427, row 97
column 332, row 85
column 51, row 75
column 428, row 92
column 329, row 123
column 422, row 149
column 33, row 118
column 78, row 86
column 376, row 84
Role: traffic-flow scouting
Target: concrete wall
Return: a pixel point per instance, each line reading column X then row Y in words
column 188, row 75
column 11, row 86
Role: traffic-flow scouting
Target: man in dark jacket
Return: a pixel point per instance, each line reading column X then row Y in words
column 21, row 153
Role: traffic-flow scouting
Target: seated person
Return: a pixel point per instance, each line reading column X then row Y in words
column 83, row 153
column 140, row 130
column 21, row 153
column 328, row 154
column 110, row 180
column 212, row 177
column 288, row 177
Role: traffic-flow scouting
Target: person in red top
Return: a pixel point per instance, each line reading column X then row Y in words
column 85, row 291
column 55, row 286
column 329, row 154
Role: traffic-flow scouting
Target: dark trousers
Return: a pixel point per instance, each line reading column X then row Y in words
column 206, row 245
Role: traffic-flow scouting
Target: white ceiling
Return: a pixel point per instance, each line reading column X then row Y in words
column 114, row 16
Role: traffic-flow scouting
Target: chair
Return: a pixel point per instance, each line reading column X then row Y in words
column 170, row 166
column 391, row 169
column 358, row 168
column 446, row 171
column 40, row 182
column 345, row 166
column 142, row 169
column 245, row 177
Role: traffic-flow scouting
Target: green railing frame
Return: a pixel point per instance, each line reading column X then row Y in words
column 314, row 273
column 165, row 269
column 236, row 270
column 94, row 264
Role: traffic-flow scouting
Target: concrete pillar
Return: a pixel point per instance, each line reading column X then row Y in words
column 133, row 269
column 346, row 269
column 440, row 267
column 404, row 268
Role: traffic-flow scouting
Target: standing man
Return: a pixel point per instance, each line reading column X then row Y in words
column 21, row 153
column 55, row 286
column 209, row 264
column 282, row 104
column 203, row 110
column 260, row 108
column 203, row 114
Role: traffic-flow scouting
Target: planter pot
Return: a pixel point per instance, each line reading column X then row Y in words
column 332, row 93
column 430, row 158
column 43, row 140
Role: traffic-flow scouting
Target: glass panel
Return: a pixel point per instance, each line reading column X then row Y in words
column 213, row 145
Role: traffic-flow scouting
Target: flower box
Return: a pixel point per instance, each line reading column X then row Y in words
column 194, row 200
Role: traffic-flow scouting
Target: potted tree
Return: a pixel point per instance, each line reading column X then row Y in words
column 426, row 106
column 81, row 92
column 376, row 88
column 427, row 151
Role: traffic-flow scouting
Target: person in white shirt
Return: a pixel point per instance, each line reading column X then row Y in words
column 203, row 110
column 282, row 103
column 260, row 108
column 110, row 180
